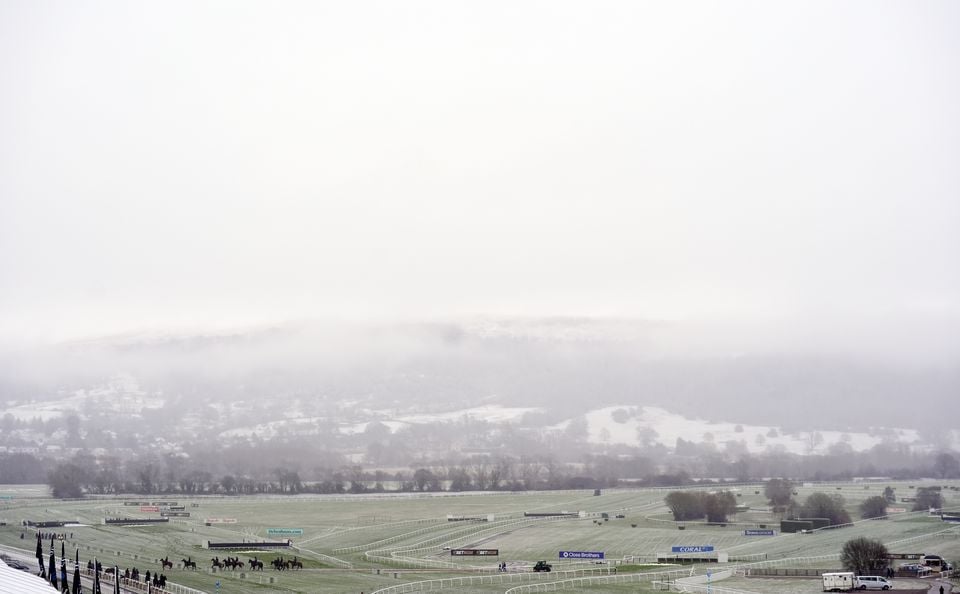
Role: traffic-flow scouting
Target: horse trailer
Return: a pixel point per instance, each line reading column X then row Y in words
column 841, row 581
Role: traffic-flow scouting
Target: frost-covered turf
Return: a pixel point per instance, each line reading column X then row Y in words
column 418, row 523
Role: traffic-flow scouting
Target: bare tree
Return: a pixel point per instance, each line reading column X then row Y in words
column 946, row 466
column 864, row 555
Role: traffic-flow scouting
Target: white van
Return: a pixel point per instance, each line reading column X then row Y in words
column 841, row 581
column 873, row 582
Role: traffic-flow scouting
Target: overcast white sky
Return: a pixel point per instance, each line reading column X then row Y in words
column 217, row 163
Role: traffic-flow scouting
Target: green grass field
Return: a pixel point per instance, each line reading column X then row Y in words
column 363, row 543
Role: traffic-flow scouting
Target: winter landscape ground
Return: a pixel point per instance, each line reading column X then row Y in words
column 372, row 543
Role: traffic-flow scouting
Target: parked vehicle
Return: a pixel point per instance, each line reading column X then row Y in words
column 936, row 562
column 872, row 582
column 913, row 570
column 542, row 566
column 840, row 581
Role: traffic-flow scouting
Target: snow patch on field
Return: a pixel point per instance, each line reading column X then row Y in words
column 493, row 413
column 309, row 425
column 302, row 426
column 356, row 428
column 632, row 425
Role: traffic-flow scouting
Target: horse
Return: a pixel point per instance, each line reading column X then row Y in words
column 279, row 564
column 255, row 564
column 217, row 563
column 295, row 564
column 189, row 564
column 166, row 562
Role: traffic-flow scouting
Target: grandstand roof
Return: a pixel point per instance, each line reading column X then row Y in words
column 15, row 581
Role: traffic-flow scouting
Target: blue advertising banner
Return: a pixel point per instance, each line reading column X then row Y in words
column 693, row 549
column 581, row 554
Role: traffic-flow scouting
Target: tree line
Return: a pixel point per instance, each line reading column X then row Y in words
column 716, row 506
column 286, row 469
column 78, row 477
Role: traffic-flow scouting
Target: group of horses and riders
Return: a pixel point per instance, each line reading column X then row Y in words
column 188, row 563
column 234, row 563
column 229, row 563
column 281, row 564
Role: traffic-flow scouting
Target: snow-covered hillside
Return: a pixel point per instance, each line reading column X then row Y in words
column 629, row 425
column 121, row 394
column 634, row 425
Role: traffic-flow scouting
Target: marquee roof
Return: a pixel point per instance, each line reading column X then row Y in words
column 15, row 581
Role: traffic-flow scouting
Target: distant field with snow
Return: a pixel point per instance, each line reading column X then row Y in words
column 631, row 425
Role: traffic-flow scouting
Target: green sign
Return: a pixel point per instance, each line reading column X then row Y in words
column 285, row 531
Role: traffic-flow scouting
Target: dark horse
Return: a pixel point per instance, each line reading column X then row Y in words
column 165, row 563
column 217, row 563
column 255, row 564
column 188, row 563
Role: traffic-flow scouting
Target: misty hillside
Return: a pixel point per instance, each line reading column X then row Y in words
column 560, row 367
